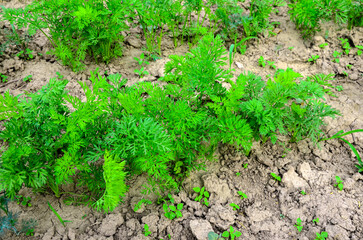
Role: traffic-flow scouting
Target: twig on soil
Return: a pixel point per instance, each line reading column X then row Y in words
column 241, row 224
column 7, row 83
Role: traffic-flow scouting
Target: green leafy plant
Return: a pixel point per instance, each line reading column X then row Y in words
column 290, row 48
column 313, row 58
column 214, row 236
column 172, row 212
column 26, row 54
column 262, row 61
column 339, row 135
column 203, row 194
column 349, row 66
column 234, row 206
column 276, row 177
column 345, row 45
column 303, row 193
column 58, row 216
column 339, row 183
column 77, row 28
column 28, row 78
column 272, row 64
column 231, row 233
column 242, row 194
column 316, row 220
column 325, row 80
column 238, row 174
column 25, row 201
column 321, row 236
column 298, row 225
column 336, row 56
column 140, row 203
column 146, row 230
column 141, row 60
column 245, row 166
column 323, row 45
column 360, row 50
column 3, row 78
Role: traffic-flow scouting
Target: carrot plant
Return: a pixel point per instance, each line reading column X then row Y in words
column 76, row 28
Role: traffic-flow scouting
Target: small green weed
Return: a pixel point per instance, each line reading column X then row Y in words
column 234, row 206
column 303, row 193
column 214, row 236
column 3, row 78
column 141, row 60
column 313, row 58
column 345, row 45
column 245, row 166
column 276, row 177
column 146, row 230
column 349, row 66
column 171, row 211
column 140, row 203
column 25, row 201
column 26, row 54
column 340, row 135
column 242, row 194
column 58, row 216
column 336, row 56
column 321, row 236
column 231, row 233
column 290, row 48
column 323, row 45
column 360, row 50
column 262, row 62
column 316, row 220
column 272, row 64
column 238, row 174
column 28, row 78
column 298, row 225
column 202, row 195
column 339, row 183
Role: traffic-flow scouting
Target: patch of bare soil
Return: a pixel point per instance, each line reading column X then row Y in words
column 272, row 207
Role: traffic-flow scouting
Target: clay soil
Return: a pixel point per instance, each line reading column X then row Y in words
column 272, row 207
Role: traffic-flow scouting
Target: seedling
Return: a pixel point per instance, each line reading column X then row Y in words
column 234, row 206
column 272, row 64
column 242, row 194
column 171, row 211
column 140, row 203
column 245, row 166
column 313, row 58
column 3, row 78
column 26, row 55
column 290, row 48
column 276, row 177
column 336, row 56
column 202, row 195
column 349, row 66
column 339, row 183
column 340, row 136
column 345, row 45
column 141, row 72
column 298, row 225
column 238, row 174
column 261, row 62
column 146, row 230
column 303, row 192
column 58, row 216
column 316, row 220
column 25, row 201
column 360, row 50
column 321, row 236
column 345, row 73
column 28, row 78
column 214, row 236
column 231, row 233
column 323, row 45
column 30, row 232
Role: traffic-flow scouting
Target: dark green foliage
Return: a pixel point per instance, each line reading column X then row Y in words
column 119, row 131
column 307, row 14
column 77, row 27
column 355, row 16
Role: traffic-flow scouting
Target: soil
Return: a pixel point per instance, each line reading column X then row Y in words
column 272, row 207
